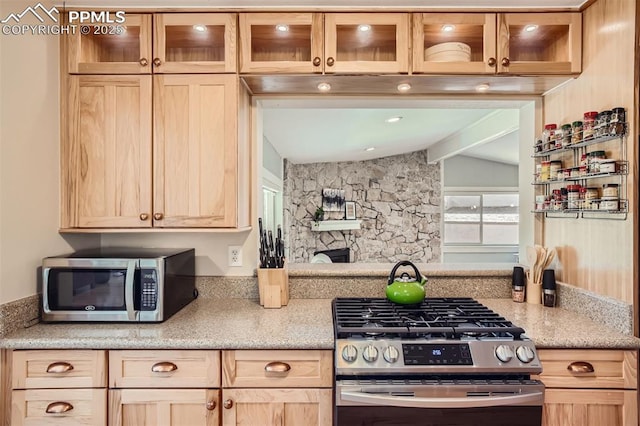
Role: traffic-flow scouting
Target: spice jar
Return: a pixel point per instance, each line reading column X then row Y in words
column 573, row 196
column 554, row 167
column 576, row 131
column 581, row 197
column 566, row 135
column 617, row 122
column 608, row 166
column 594, row 158
column 592, row 193
column 609, row 204
column 545, row 170
column 602, row 126
column 588, row 124
column 610, row 190
column 549, row 134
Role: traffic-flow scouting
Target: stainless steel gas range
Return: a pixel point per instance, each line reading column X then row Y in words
column 444, row 362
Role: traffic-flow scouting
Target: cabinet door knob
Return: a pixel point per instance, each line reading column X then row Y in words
column 505, row 62
column 144, row 62
column 277, row 367
column 59, row 367
column 317, row 61
column 164, row 367
column 58, row 407
column 211, row 405
column 330, row 61
column 144, row 216
column 227, row 404
column 158, row 216
column 580, row 367
column 157, row 62
column 492, row 62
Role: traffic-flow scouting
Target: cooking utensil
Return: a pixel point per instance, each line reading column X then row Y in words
column 405, row 289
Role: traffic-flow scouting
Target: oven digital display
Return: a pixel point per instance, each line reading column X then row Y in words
column 437, row 354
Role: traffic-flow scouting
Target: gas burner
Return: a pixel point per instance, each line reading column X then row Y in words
column 446, row 318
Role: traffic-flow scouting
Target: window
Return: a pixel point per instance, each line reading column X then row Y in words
column 481, row 218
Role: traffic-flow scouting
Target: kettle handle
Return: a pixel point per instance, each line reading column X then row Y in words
column 392, row 276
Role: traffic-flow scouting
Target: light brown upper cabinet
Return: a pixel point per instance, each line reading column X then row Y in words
column 488, row 43
column 324, row 43
column 192, row 173
column 179, row 43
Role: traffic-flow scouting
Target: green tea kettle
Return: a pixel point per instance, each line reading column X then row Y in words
column 405, row 289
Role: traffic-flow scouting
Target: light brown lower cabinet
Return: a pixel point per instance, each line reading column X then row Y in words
column 167, row 407
column 283, row 407
column 589, row 387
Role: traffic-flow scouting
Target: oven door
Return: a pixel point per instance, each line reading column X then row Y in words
column 89, row 289
column 439, row 403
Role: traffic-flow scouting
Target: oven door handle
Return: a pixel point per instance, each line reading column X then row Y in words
column 129, row 289
column 533, row 398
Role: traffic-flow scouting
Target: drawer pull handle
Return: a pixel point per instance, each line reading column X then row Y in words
column 580, row 367
column 211, row 405
column 58, row 407
column 164, row 367
column 59, row 367
column 277, row 367
column 227, row 404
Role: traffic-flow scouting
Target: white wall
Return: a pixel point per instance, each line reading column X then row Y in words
column 464, row 171
column 29, row 166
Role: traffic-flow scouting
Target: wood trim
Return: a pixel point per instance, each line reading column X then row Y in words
column 244, row 152
column 152, row 230
column 634, row 165
column 5, row 387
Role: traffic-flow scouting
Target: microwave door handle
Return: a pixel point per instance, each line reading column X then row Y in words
column 534, row 398
column 128, row 290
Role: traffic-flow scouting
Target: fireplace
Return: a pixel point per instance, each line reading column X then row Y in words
column 337, row 255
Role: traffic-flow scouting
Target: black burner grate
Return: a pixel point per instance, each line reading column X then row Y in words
column 449, row 318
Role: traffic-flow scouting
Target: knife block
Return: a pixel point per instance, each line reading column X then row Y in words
column 273, row 286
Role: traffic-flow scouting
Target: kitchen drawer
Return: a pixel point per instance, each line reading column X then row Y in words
column 606, row 369
column 59, row 369
column 164, row 369
column 271, row 369
column 54, row 407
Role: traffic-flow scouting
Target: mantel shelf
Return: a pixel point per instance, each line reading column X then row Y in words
column 335, row 225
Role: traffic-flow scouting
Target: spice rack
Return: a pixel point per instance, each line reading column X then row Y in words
column 555, row 200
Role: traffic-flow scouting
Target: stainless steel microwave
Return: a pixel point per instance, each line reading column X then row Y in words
column 117, row 284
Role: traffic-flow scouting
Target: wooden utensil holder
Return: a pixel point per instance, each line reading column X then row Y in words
column 273, row 286
column 533, row 292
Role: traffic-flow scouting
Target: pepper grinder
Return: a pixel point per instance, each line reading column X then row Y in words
column 549, row 288
column 518, row 283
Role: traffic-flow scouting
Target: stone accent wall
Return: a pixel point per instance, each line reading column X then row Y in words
column 397, row 198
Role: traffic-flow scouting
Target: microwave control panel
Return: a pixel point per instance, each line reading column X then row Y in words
column 149, row 297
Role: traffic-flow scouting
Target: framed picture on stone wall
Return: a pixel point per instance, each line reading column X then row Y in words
column 350, row 210
column 332, row 200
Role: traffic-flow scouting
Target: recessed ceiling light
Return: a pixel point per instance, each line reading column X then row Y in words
column 530, row 28
column 200, row 28
column 393, row 119
column 371, row 148
column 482, row 87
column 404, row 87
column 364, row 27
column 324, row 87
column 447, row 28
column 282, row 28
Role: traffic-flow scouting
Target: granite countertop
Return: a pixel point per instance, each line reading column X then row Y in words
column 303, row 324
column 383, row 269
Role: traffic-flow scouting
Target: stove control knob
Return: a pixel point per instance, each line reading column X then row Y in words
column 504, row 353
column 349, row 353
column 391, row 354
column 525, row 354
column 370, row 353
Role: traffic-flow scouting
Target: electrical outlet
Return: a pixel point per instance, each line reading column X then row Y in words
column 235, row 255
